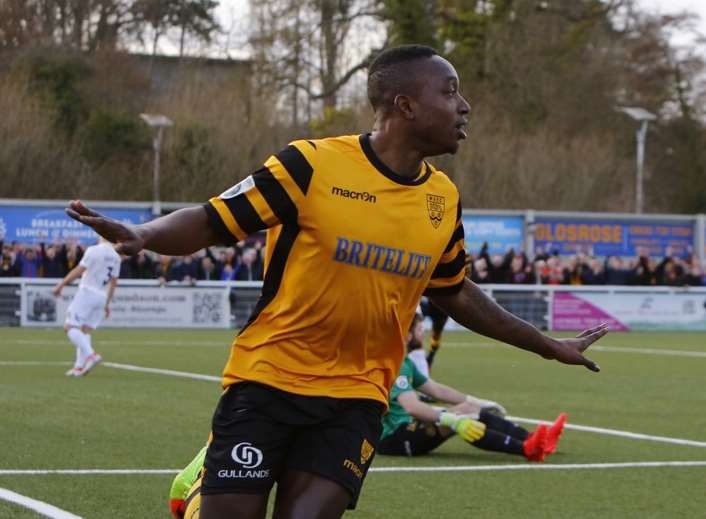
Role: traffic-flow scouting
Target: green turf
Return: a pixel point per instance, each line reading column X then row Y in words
column 114, row 419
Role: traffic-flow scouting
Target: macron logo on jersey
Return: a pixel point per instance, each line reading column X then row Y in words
column 379, row 257
column 364, row 196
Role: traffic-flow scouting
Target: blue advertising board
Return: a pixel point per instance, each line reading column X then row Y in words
column 36, row 224
column 500, row 232
column 613, row 237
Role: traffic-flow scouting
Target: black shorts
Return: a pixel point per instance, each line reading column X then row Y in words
column 259, row 431
column 412, row 439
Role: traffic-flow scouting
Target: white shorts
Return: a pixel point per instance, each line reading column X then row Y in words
column 87, row 308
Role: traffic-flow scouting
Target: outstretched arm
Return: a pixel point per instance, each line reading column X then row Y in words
column 444, row 393
column 74, row 274
column 472, row 308
column 177, row 234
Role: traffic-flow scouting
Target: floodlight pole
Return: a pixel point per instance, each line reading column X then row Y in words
column 157, row 147
column 159, row 123
column 641, row 135
column 643, row 117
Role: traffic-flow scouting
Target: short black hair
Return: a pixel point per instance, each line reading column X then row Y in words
column 387, row 76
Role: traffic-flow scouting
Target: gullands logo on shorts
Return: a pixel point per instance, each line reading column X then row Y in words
column 249, row 457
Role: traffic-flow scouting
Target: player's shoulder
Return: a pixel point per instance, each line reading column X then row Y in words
column 407, row 367
column 440, row 180
column 317, row 148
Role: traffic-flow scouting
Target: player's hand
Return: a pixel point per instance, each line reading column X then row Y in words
column 107, row 311
column 570, row 351
column 57, row 290
column 493, row 407
column 469, row 429
column 127, row 239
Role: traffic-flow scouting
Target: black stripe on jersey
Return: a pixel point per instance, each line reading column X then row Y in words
column 458, row 234
column 245, row 214
column 312, row 144
column 275, row 195
column 275, row 271
column 452, row 268
column 445, row 291
column 215, row 222
column 297, row 166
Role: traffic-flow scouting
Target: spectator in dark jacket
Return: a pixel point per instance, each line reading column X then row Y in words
column 250, row 268
column 8, row 268
column 53, row 261
column 207, row 270
column 592, row 273
column 615, row 273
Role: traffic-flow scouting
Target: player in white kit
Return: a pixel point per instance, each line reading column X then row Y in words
column 99, row 270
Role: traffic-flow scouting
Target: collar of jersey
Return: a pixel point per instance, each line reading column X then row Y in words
column 382, row 168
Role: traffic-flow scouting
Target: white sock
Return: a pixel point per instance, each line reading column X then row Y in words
column 75, row 336
column 83, row 345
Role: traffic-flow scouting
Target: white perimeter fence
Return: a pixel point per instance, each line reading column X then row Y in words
column 228, row 304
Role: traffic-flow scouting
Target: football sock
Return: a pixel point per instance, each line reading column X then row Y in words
column 496, row 423
column 83, row 343
column 434, row 346
column 499, row 442
column 76, row 337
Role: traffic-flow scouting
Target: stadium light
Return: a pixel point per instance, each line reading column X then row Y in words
column 643, row 117
column 159, row 123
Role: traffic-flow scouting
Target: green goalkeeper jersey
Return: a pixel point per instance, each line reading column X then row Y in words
column 409, row 379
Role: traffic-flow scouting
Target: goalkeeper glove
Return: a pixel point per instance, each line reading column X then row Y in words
column 467, row 428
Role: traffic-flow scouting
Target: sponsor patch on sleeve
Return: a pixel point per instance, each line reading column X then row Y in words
column 402, row 382
column 241, row 187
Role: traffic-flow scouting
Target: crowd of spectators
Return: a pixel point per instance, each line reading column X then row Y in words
column 244, row 262
column 553, row 269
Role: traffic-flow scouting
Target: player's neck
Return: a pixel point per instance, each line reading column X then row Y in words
column 395, row 151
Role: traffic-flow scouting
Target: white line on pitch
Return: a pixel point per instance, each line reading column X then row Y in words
column 600, row 430
column 169, row 372
column 450, row 468
column 111, row 342
column 34, row 363
column 40, row 507
column 609, row 349
column 614, row 432
column 543, row 466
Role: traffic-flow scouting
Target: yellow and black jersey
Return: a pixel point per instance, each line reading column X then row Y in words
column 351, row 248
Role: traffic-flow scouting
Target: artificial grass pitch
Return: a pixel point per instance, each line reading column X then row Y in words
column 118, row 419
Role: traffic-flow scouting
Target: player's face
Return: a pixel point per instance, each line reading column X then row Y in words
column 441, row 111
column 418, row 332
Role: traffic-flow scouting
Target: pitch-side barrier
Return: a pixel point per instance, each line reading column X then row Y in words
column 228, row 304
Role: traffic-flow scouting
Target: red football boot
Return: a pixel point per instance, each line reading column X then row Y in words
column 553, row 434
column 534, row 446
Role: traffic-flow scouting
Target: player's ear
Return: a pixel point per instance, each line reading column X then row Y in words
column 404, row 105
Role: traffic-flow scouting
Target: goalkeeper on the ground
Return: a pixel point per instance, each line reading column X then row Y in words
column 412, row 427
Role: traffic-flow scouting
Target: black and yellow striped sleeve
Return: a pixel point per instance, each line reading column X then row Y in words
column 450, row 272
column 271, row 196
